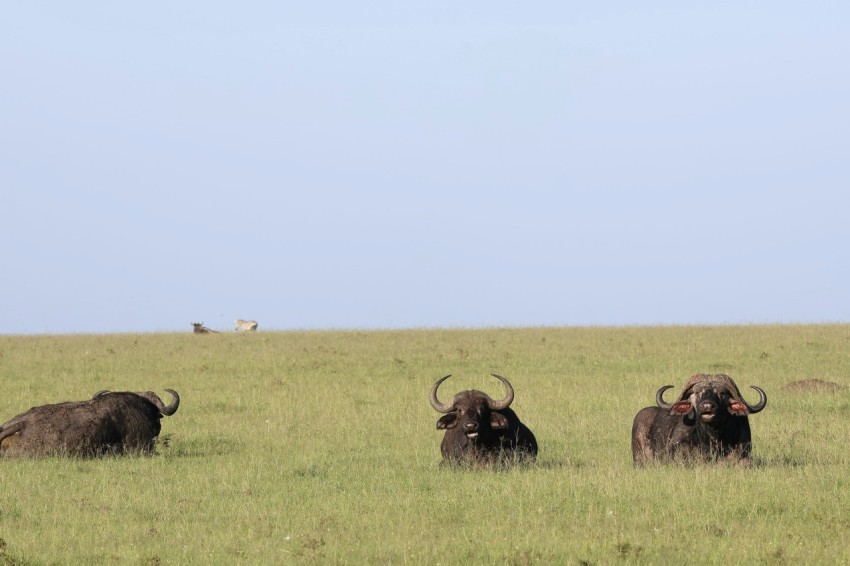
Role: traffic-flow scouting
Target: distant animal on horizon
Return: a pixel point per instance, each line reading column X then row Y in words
column 199, row 328
column 246, row 325
column 109, row 423
column 480, row 430
column 708, row 421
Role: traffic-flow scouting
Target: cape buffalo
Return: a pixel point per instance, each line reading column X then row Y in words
column 481, row 430
column 707, row 421
column 109, row 423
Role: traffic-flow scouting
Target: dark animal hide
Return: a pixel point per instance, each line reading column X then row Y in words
column 708, row 421
column 109, row 423
column 480, row 430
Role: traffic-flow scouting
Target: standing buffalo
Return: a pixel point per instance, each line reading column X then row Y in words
column 109, row 423
column 708, row 421
column 481, row 430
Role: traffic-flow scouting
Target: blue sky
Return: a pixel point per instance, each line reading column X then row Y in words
column 391, row 165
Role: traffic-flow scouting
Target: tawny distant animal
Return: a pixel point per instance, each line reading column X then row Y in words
column 199, row 328
column 480, row 430
column 708, row 421
column 246, row 325
column 109, row 423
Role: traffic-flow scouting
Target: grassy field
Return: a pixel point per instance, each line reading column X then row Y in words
column 320, row 447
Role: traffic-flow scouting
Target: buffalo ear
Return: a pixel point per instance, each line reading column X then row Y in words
column 447, row 421
column 681, row 408
column 738, row 409
column 498, row 421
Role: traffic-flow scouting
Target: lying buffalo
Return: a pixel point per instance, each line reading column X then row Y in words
column 707, row 421
column 109, row 423
column 481, row 430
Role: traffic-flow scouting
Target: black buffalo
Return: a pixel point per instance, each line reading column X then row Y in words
column 481, row 430
column 109, row 423
column 708, row 421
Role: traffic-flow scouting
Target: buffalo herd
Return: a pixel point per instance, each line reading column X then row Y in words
column 707, row 421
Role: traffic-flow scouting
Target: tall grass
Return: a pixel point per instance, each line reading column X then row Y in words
column 303, row 447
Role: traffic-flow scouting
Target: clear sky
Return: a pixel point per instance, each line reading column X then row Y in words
column 382, row 164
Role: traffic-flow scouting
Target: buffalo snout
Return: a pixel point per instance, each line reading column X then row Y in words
column 708, row 411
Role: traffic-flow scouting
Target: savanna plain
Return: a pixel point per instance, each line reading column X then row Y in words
column 321, row 447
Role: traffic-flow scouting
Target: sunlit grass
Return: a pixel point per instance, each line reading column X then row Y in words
column 321, row 447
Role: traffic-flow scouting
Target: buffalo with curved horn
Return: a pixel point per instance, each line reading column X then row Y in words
column 480, row 429
column 166, row 410
column 707, row 421
column 108, row 423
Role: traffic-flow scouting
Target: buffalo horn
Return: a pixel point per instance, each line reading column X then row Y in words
column 509, row 397
column 733, row 389
column 166, row 410
column 659, row 398
column 171, row 408
column 762, row 401
column 439, row 407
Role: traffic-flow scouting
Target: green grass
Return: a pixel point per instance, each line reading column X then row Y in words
column 320, row 447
